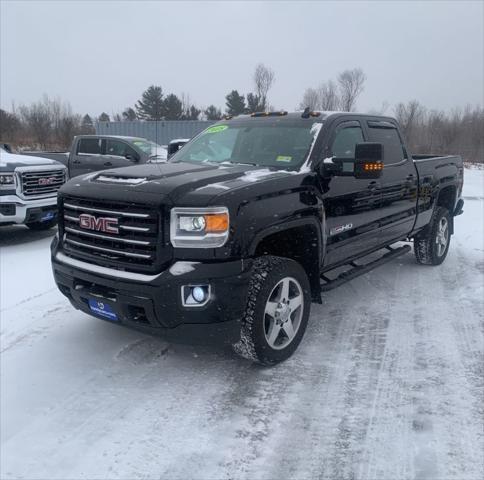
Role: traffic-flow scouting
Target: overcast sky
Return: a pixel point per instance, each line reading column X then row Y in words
column 101, row 55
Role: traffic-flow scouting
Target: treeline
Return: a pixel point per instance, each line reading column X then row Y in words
column 433, row 131
column 51, row 123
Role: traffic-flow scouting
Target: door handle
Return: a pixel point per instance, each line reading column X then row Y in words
column 108, row 164
column 373, row 185
column 76, row 161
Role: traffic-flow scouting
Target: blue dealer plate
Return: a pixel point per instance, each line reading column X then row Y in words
column 103, row 309
column 47, row 216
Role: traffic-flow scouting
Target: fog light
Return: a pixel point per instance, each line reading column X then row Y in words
column 195, row 295
column 199, row 294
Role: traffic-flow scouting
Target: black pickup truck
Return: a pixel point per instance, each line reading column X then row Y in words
column 93, row 153
column 248, row 224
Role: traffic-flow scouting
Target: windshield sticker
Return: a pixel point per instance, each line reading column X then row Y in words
column 283, row 158
column 217, row 129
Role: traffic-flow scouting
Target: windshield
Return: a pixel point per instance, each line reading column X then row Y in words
column 270, row 145
column 152, row 149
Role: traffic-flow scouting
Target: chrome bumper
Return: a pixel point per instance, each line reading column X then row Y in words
column 22, row 206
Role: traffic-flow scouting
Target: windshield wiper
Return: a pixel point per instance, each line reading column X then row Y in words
column 239, row 163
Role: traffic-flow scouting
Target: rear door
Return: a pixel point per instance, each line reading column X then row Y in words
column 398, row 181
column 351, row 205
column 86, row 156
column 114, row 155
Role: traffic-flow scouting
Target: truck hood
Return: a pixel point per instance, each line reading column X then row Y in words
column 183, row 183
column 10, row 161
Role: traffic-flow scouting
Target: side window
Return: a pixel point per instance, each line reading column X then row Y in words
column 345, row 141
column 117, row 148
column 89, row 146
column 393, row 149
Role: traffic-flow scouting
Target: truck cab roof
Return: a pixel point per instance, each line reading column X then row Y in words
column 117, row 137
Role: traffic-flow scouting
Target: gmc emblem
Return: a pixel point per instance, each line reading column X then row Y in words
column 47, row 180
column 100, row 224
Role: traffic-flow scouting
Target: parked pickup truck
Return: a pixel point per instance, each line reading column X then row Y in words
column 28, row 189
column 246, row 225
column 92, row 153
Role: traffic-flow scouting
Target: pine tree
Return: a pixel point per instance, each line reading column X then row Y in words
column 129, row 115
column 194, row 113
column 213, row 113
column 151, row 105
column 235, row 103
column 254, row 103
column 87, row 127
column 104, row 117
column 172, row 107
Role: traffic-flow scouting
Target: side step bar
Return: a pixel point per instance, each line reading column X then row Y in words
column 358, row 270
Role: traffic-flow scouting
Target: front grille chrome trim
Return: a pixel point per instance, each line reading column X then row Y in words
column 105, row 237
column 133, row 245
column 108, row 272
column 121, row 227
column 108, row 250
column 110, row 212
column 30, row 186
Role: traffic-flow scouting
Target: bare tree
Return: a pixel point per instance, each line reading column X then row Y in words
column 410, row 116
column 38, row 118
column 186, row 102
column 310, row 99
column 10, row 127
column 328, row 96
column 65, row 123
column 350, row 85
column 264, row 78
column 69, row 126
column 325, row 97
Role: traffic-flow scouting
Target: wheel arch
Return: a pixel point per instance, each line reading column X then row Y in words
column 447, row 198
column 299, row 240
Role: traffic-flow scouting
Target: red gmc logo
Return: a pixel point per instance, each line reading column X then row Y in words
column 47, row 180
column 100, row 224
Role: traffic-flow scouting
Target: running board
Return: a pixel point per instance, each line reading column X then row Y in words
column 358, row 270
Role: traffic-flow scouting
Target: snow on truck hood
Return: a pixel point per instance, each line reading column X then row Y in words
column 10, row 161
column 176, row 179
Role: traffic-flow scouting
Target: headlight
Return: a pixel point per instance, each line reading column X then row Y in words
column 199, row 227
column 7, row 179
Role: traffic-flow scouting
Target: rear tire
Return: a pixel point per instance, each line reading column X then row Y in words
column 39, row 226
column 277, row 311
column 432, row 246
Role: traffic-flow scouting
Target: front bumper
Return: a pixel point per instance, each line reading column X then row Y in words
column 153, row 304
column 26, row 211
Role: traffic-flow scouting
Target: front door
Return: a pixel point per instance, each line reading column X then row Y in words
column 351, row 205
column 115, row 155
column 86, row 156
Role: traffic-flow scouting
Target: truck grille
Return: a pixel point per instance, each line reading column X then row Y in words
column 115, row 234
column 42, row 182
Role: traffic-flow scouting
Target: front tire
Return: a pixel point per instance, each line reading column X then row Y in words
column 432, row 247
column 277, row 311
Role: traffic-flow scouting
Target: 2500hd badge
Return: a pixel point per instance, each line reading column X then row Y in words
column 234, row 237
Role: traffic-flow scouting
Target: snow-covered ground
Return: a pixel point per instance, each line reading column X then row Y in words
column 388, row 383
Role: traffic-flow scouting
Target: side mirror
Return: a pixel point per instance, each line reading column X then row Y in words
column 175, row 145
column 368, row 160
column 336, row 167
column 132, row 157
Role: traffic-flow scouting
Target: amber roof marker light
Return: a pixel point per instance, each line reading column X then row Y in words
column 280, row 113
